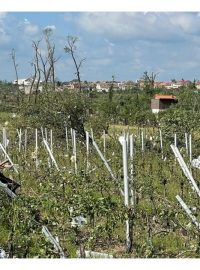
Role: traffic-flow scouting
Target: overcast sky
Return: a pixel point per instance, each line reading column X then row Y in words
column 123, row 44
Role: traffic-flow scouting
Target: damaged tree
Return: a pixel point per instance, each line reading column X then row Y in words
column 149, row 80
column 71, row 48
column 44, row 64
column 37, row 73
column 16, row 72
column 49, row 74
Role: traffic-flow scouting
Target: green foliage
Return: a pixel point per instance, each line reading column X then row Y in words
column 160, row 228
column 57, row 110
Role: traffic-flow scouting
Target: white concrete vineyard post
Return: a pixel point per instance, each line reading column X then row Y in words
column 36, row 148
column 188, row 211
column 72, row 141
column 94, row 254
column 46, row 135
column 190, row 147
column 131, row 140
column 51, row 140
column 123, row 142
column 51, row 147
column 67, row 139
column 161, row 142
column 87, row 150
column 175, row 140
column 5, row 142
column 74, row 151
column 50, row 154
column 55, row 242
column 142, row 139
column 42, row 132
column 131, row 167
column 7, row 156
column 104, row 143
column 25, row 141
column 127, row 142
column 92, row 134
column 4, row 138
column 186, row 142
column 106, row 164
column 185, row 169
column 19, row 132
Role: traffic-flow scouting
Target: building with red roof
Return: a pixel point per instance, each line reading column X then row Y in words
column 161, row 102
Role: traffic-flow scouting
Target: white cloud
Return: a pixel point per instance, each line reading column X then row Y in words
column 151, row 26
column 187, row 22
column 110, row 46
column 5, row 38
column 51, row 27
column 29, row 28
column 100, row 61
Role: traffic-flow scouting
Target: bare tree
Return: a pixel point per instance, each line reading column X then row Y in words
column 33, row 80
column 14, row 63
column 45, row 63
column 37, row 71
column 71, row 48
column 49, row 63
column 16, row 72
column 150, row 78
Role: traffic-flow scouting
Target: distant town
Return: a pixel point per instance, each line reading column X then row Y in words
column 104, row 86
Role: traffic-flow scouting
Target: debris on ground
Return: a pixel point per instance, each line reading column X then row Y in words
column 196, row 163
column 78, row 221
column 11, row 187
column 2, row 253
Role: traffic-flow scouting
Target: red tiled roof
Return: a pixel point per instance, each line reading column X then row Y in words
column 164, row 96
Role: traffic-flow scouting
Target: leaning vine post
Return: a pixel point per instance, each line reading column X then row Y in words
column 107, row 165
column 51, row 154
column 7, row 156
column 188, row 211
column 185, row 169
column 54, row 241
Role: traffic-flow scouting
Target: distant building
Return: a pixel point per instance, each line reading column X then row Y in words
column 23, row 81
column 102, row 87
column 197, row 85
column 25, row 85
column 162, row 102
